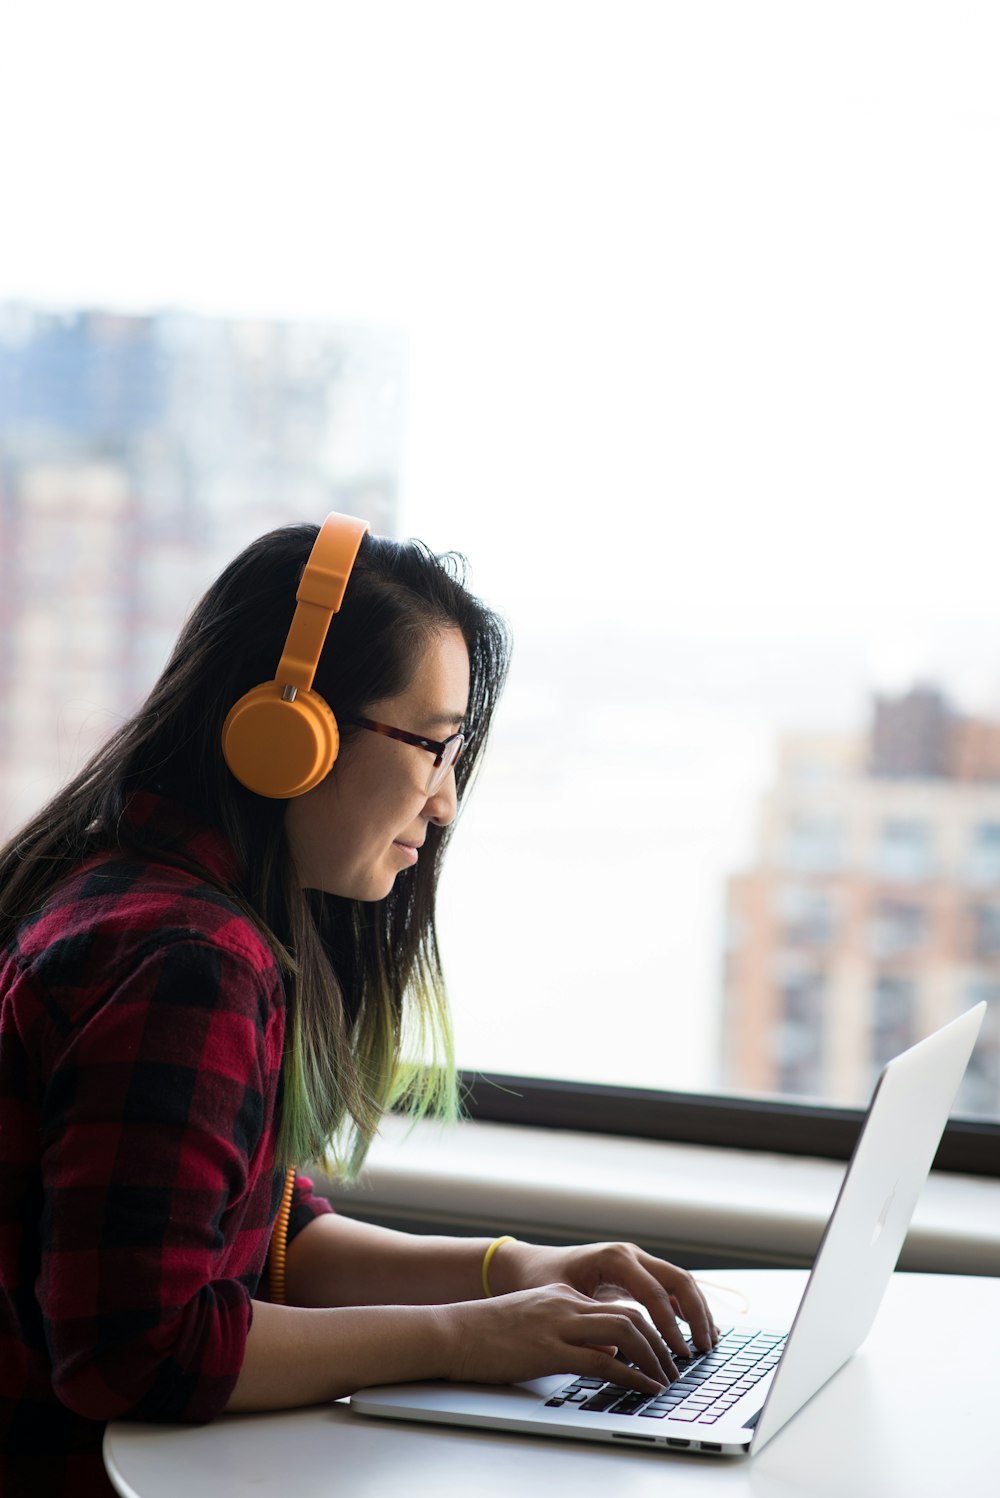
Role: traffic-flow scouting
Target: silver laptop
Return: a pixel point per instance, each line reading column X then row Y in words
column 732, row 1400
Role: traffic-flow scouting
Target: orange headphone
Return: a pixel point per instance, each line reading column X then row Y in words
column 281, row 738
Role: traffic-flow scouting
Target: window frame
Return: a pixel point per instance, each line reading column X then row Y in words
column 968, row 1146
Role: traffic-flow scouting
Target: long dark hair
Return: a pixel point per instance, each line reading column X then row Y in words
column 367, row 1023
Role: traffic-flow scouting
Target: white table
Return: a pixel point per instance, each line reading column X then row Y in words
column 876, row 1430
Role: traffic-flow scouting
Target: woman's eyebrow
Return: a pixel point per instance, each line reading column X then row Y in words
column 443, row 720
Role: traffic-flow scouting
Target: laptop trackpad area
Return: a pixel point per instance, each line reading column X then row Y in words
column 459, row 1402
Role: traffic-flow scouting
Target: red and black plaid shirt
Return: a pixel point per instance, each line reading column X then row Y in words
column 141, row 1029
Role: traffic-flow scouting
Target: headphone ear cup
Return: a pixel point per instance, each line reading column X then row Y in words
column 278, row 748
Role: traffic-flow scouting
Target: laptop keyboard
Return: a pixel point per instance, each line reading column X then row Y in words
column 709, row 1385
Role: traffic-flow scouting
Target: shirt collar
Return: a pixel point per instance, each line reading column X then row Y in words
column 178, row 832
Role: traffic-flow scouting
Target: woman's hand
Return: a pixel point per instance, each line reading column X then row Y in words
column 553, row 1329
column 610, row 1271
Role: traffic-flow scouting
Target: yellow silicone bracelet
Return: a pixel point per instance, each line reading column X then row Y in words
column 488, row 1259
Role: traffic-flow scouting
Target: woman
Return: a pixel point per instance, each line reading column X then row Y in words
column 217, row 947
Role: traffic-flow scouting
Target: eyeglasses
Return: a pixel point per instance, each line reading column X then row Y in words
column 446, row 751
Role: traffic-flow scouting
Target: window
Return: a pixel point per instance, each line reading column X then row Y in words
column 813, row 845
column 904, row 854
column 808, row 915
column 983, row 1075
column 984, row 855
column 798, row 1037
column 894, row 1019
column 682, row 327
column 898, row 928
column 986, row 932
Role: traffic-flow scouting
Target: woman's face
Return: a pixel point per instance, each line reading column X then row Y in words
column 367, row 820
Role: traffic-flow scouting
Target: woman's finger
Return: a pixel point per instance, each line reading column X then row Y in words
column 694, row 1307
column 668, row 1292
column 636, row 1340
column 592, row 1362
column 632, row 1278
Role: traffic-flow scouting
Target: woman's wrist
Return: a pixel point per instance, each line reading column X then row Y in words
column 488, row 1258
column 506, row 1266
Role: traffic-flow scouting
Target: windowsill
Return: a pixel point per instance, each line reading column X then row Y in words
column 703, row 1205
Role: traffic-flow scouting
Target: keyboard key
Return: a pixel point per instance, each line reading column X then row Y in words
column 603, row 1399
column 630, row 1405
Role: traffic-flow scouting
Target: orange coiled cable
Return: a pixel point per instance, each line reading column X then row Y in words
column 279, row 1242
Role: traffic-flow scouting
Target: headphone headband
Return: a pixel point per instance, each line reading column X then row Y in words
column 318, row 597
column 281, row 739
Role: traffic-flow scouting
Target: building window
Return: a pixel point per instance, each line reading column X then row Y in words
column 797, row 1041
column 807, row 915
column 813, row 845
column 905, row 852
column 893, row 1018
column 984, row 855
column 985, row 942
column 979, row 1094
column 898, row 927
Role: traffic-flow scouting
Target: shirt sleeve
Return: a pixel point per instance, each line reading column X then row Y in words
column 154, row 1133
column 305, row 1206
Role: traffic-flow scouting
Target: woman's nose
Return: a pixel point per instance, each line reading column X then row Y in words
column 443, row 802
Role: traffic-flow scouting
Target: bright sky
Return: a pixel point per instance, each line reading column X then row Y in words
column 711, row 284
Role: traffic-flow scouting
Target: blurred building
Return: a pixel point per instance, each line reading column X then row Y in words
column 872, row 912
column 137, row 456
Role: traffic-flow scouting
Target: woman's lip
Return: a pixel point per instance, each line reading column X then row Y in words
column 408, row 850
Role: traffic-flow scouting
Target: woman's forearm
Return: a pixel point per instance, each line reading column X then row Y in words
column 365, row 1305
column 335, row 1261
column 297, row 1356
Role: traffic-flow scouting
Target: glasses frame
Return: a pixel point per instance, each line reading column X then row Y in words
column 443, row 760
